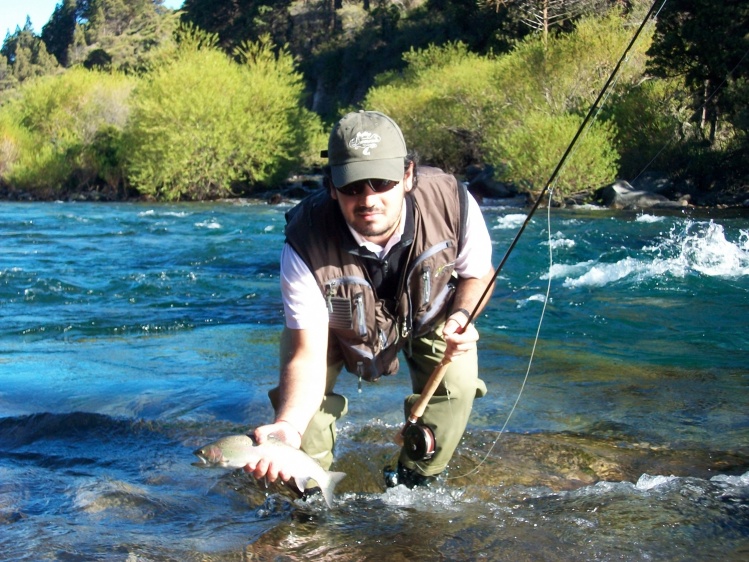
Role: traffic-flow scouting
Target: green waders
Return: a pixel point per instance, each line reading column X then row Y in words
column 447, row 413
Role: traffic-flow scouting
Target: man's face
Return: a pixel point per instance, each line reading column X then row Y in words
column 375, row 214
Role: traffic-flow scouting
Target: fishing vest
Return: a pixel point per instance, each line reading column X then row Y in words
column 369, row 329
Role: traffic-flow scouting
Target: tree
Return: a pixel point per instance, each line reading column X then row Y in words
column 121, row 34
column 7, row 80
column 342, row 46
column 705, row 44
column 235, row 21
column 58, row 32
column 542, row 15
column 26, row 54
column 516, row 111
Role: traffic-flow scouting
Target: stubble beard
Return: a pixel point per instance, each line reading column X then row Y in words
column 371, row 231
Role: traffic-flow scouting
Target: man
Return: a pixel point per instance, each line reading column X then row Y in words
column 385, row 260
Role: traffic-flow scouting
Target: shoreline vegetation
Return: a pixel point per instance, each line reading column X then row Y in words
column 136, row 102
column 649, row 192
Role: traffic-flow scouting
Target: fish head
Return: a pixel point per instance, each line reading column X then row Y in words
column 210, row 455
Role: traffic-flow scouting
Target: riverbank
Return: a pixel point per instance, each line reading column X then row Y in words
column 648, row 191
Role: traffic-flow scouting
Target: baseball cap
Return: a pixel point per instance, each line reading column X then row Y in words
column 366, row 145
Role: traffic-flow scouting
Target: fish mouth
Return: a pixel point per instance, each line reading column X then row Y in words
column 202, row 462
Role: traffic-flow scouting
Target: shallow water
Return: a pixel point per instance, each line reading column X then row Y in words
column 130, row 334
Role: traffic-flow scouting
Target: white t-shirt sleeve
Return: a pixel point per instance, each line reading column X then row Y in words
column 475, row 259
column 303, row 303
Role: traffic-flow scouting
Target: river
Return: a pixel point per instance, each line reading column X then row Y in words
column 131, row 334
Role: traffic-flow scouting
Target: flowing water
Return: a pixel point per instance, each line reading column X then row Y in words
column 130, row 334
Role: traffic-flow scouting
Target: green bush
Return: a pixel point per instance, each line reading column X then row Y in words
column 53, row 120
column 517, row 112
column 17, row 145
column 440, row 103
column 648, row 118
column 529, row 154
column 204, row 126
column 15, row 141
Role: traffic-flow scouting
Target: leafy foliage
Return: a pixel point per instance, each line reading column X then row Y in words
column 341, row 46
column 528, row 154
column 109, row 34
column 464, row 78
column 705, row 46
column 518, row 111
column 649, row 115
column 25, row 57
column 52, row 126
column 204, row 126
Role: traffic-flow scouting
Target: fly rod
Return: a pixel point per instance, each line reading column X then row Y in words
column 418, row 439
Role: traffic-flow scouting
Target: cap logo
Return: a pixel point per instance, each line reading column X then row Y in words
column 366, row 141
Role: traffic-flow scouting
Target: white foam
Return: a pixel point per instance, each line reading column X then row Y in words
column 427, row 498
column 648, row 482
column 602, row 274
column 695, row 248
column 558, row 241
column 649, row 218
column 152, row 213
column 208, row 224
column 507, row 222
column 533, row 298
column 710, row 253
column 742, row 480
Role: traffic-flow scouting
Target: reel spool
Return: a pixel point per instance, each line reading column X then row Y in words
column 418, row 442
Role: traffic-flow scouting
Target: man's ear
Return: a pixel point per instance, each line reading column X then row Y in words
column 328, row 184
column 408, row 177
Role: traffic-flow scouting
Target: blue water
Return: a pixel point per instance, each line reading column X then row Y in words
column 130, row 334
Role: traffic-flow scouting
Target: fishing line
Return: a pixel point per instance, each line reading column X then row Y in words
column 592, row 113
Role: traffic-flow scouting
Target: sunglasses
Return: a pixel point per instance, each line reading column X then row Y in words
column 357, row 187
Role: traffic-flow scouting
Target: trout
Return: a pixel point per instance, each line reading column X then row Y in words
column 236, row 451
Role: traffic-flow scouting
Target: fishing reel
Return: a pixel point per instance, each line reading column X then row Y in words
column 418, row 442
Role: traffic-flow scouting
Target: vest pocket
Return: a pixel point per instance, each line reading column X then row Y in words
column 346, row 311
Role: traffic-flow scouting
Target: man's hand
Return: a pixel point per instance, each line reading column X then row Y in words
column 283, row 431
column 459, row 343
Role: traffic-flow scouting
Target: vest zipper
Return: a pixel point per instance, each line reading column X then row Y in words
column 361, row 320
column 426, row 292
column 330, row 290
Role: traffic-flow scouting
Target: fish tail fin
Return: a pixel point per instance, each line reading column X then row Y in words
column 327, row 490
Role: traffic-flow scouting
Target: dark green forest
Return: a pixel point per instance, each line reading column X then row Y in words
column 123, row 99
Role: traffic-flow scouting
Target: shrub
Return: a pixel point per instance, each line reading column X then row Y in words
column 55, row 118
column 649, row 117
column 440, row 103
column 517, row 112
column 529, row 154
column 204, row 126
